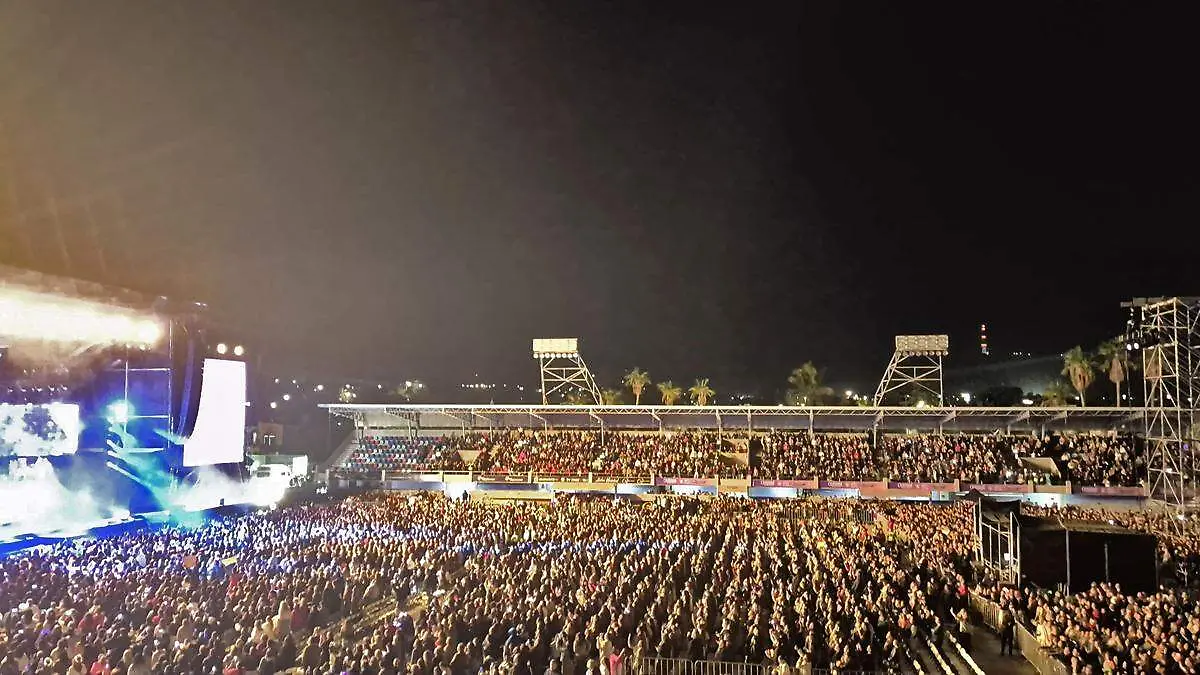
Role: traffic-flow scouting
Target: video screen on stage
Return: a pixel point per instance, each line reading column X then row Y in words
column 39, row 430
column 220, row 433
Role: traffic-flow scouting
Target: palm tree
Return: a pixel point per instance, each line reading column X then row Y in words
column 1078, row 368
column 1113, row 358
column 611, row 396
column 701, row 392
column 806, row 387
column 636, row 380
column 1056, row 394
column 670, row 392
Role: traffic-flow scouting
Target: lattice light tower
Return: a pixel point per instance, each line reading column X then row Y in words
column 1167, row 331
column 563, row 368
column 917, row 362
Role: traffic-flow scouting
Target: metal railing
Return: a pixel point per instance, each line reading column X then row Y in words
column 661, row 666
column 1042, row 659
column 653, row 665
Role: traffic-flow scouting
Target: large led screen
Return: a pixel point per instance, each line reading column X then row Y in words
column 38, row 430
column 220, row 433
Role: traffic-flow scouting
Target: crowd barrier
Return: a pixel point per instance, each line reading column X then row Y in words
column 1042, row 659
column 653, row 665
column 659, row 666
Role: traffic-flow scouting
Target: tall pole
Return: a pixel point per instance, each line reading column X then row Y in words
column 1068, row 557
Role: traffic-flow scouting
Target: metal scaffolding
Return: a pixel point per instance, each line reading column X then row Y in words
column 916, row 365
column 998, row 538
column 1169, row 337
column 562, row 368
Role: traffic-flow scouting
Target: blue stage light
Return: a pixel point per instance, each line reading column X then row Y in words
column 119, row 412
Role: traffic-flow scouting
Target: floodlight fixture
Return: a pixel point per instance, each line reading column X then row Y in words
column 222, row 348
column 923, row 345
column 562, row 367
column 555, row 347
column 239, row 350
column 916, row 364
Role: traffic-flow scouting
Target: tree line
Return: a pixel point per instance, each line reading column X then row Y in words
column 1081, row 367
column 805, row 385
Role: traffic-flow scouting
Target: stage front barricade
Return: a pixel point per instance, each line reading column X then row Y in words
column 660, row 666
column 1041, row 658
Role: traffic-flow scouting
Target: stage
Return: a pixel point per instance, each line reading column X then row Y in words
column 12, row 541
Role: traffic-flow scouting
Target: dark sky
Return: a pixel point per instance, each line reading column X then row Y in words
column 401, row 189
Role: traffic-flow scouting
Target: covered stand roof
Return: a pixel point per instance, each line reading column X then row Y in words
column 758, row 418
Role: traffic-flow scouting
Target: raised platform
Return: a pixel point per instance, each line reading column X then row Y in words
column 11, row 542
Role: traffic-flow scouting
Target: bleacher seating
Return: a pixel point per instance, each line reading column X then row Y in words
column 982, row 458
column 374, row 454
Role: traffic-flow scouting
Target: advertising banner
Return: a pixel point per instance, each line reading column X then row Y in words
column 924, row 487
column 797, row 484
column 853, row 485
column 998, row 488
column 659, row 480
column 1114, row 491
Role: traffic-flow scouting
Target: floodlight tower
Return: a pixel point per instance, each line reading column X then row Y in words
column 917, row 361
column 1167, row 330
column 562, row 367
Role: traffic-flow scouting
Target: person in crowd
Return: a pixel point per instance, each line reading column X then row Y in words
column 571, row 587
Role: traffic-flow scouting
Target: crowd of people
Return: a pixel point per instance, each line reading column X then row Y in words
column 1103, row 630
column 1098, row 460
column 687, row 454
column 803, row 455
column 515, row 588
column 969, row 458
column 1106, row 630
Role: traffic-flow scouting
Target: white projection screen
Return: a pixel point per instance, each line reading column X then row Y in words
column 220, row 433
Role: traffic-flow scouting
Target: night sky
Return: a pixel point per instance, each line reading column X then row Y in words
column 417, row 189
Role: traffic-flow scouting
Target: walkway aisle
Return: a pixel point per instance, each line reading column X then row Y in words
column 986, row 653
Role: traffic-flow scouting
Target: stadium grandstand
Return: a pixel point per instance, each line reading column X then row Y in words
column 752, row 450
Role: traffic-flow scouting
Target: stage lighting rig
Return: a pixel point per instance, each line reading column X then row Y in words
column 30, row 316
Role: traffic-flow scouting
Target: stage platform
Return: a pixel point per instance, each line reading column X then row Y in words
column 12, row 541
